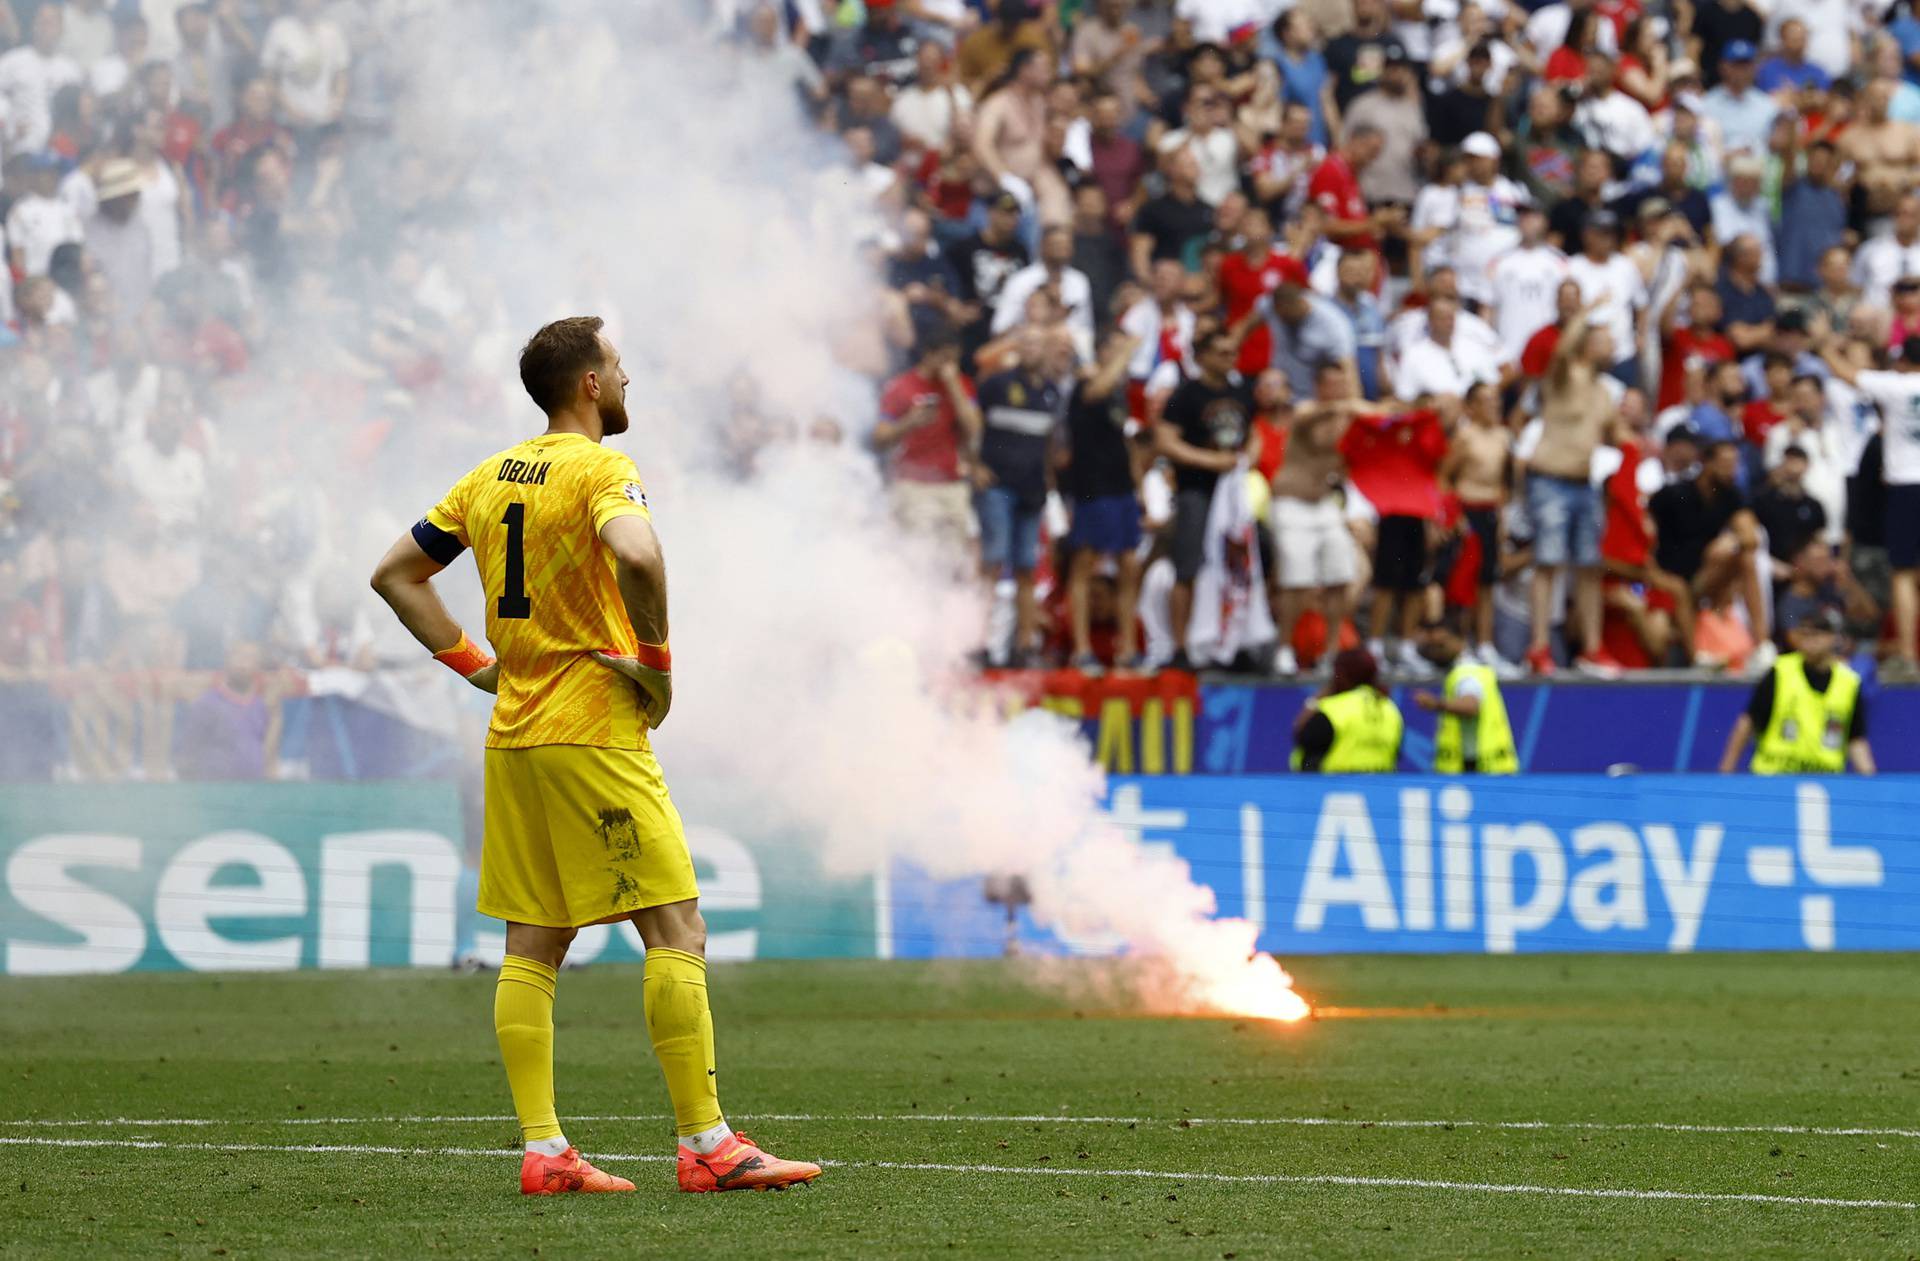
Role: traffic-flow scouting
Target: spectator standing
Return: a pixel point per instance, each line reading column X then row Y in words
column 1354, row 295
column 1897, row 396
column 1335, row 187
column 1709, row 538
column 1394, row 460
column 936, row 105
column 1248, row 276
column 1313, row 547
column 230, row 731
column 1485, row 223
column 1609, row 119
column 1575, row 409
column 1741, row 211
column 1304, row 73
column 990, row 48
column 1394, row 110
column 1175, row 224
column 1526, row 282
column 30, row 76
column 1476, row 472
column 1307, row 331
column 1020, row 408
column 1009, row 138
column 1828, row 31
column 1788, row 70
column 1203, row 434
column 1805, row 428
column 1613, row 290
column 1116, row 161
column 1813, row 219
column 1748, row 307
column 1281, row 167
column 1442, row 365
column 307, row 58
column 985, row 262
column 40, row 221
column 1162, row 327
column 1055, row 273
column 1097, row 252
column 1884, row 150
column 1208, row 134
column 1109, row 49
column 119, row 239
column 1104, row 499
column 1742, row 111
column 928, row 430
column 1894, row 256
column 1789, row 516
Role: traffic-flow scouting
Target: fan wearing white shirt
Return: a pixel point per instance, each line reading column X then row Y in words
column 1486, row 224
column 1526, row 285
column 1897, row 395
column 29, row 77
column 1409, row 327
column 1895, row 256
column 1607, row 118
column 40, row 221
column 1613, row 288
column 1068, row 282
column 1442, row 364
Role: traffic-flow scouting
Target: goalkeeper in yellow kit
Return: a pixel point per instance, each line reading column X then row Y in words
column 579, row 827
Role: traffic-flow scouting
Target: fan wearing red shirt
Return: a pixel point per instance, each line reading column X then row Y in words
column 1642, row 605
column 1335, row 188
column 928, row 430
column 1249, row 276
column 1696, row 344
column 1537, row 356
column 1395, row 462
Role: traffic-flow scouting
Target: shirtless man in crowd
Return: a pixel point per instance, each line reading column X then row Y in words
column 1476, row 470
column 1309, row 515
column 1885, row 153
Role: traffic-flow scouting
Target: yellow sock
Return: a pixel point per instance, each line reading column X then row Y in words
column 681, row 1027
column 523, row 1019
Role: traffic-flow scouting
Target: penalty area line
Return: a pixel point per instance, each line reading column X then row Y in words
column 1038, row 1118
column 1171, row 1175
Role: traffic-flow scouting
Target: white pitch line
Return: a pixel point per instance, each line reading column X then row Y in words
column 1262, row 1179
column 958, row 1118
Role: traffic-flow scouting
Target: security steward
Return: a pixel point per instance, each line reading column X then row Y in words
column 1808, row 712
column 1473, row 735
column 1352, row 727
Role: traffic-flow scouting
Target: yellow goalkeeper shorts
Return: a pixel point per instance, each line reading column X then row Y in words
column 577, row 834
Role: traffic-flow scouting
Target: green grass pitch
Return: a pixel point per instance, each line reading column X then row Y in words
column 967, row 1112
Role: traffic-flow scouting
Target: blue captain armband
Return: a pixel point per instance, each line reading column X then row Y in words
column 442, row 547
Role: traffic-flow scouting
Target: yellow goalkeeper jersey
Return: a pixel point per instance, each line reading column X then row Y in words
column 532, row 515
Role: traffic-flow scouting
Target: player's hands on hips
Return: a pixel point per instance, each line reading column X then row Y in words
column 653, row 675
column 487, row 678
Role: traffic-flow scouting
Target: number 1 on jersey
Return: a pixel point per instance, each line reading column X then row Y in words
column 513, row 601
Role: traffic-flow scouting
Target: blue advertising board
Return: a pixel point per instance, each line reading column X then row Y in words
column 1573, row 863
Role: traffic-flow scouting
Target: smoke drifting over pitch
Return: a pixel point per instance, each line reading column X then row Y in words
column 628, row 166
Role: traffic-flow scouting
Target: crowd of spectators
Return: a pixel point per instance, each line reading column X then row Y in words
column 1589, row 317
column 1592, row 318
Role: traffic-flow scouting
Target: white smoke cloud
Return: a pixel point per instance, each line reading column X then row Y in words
column 619, row 162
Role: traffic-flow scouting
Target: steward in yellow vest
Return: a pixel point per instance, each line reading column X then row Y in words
column 1353, row 727
column 1473, row 735
column 1808, row 713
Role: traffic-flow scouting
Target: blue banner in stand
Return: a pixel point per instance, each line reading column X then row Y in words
column 1431, row 864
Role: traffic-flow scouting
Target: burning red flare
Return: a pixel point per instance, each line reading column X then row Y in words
column 1259, row 988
